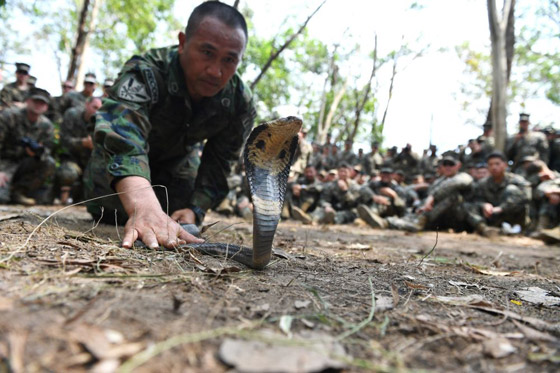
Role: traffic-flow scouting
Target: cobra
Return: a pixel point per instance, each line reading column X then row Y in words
column 268, row 155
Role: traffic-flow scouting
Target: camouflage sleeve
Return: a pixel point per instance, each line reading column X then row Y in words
column 47, row 134
column 5, row 97
column 221, row 152
column 122, row 124
column 326, row 195
column 67, row 136
column 547, row 187
column 542, row 148
column 4, row 128
column 517, row 192
column 459, row 183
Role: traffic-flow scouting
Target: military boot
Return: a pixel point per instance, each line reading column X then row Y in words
column 486, row 231
column 370, row 217
column 21, row 199
column 300, row 215
column 328, row 217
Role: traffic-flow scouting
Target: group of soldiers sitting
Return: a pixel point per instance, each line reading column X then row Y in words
column 45, row 142
column 474, row 188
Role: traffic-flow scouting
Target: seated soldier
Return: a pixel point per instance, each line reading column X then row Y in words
column 303, row 195
column 338, row 200
column 546, row 198
column 380, row 199
column 443, row 208
column 501, row 197
column 75, row 138
column 26, row 140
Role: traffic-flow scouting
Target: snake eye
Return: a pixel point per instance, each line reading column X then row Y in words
column 282, row 154
column 260, row 145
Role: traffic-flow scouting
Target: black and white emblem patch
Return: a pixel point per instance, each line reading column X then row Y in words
column 133, row 90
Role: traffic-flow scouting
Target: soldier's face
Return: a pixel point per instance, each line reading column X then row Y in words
column 496, row 167
column 37, row 107
column 210, row 57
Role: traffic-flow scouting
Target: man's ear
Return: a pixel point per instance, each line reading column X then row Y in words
column 182, row 40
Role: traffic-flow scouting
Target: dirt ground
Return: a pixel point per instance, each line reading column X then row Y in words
column 336, row 298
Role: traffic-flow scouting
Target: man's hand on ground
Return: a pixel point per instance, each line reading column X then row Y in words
column 147, row 221
column 155, row 228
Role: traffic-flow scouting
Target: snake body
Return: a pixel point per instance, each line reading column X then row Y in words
column 268, row 156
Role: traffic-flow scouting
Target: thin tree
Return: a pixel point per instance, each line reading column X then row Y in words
column 498, row 27
column 275, row 53
column 78, row 47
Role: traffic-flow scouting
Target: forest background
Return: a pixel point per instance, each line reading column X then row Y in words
column 399, row 72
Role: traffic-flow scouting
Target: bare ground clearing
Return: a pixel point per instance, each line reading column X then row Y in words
column 72, row 300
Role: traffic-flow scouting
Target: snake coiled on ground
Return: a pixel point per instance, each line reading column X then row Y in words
column 268, row 155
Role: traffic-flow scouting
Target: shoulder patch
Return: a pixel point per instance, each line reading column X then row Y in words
column 150, row 79
column 133, row 90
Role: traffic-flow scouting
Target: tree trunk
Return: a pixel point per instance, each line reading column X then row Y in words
column 332, row 110
column 360, row 104
column 391, row 85
column 498, row 29
column 82, row 62
column 80, row 40
column 274, row 55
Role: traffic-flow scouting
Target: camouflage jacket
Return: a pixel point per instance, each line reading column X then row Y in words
column 533, row 143
column 72, row 130
column 14, row 126
column 348, row 157
column 444, row 187
column 509, row 194
column 11, row 93
column 340, row 199
column 70, row 100
column 149, row 124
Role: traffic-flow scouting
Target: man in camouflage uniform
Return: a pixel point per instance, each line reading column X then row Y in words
column 380, row 199
column 338, row 200
column 373, row 160
column 162, row 105
column 14, row 94
column 526, row 142
column 75, row 137
column 302, row 157
column 75, row 99
column 429, row 160
column 547, row 194
column 303, row 195
column 348, row 156
column 54, row 113
column 26, row 139
column 443, row 208
column 501, row 197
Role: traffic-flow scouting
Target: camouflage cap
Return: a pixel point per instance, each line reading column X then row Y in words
column 31, row 80
column 386, row 170
column 108, row 83
column 524, row 117
column 39, row 94
column 90, row 78
column 22, row 68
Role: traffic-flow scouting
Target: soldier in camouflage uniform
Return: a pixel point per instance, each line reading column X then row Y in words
column 443, row 208
column 373, row 160
column 162, row 105
column 26, row 139
column 380, row 199
column 54, row 113
column 303, row 195
column 75, row 99
column 75, row 138
column 526, row 142
column 430, row 160
column 15, row 94
column 302, row 157
column 348, row 156
column 501, row 197
column 339, row 200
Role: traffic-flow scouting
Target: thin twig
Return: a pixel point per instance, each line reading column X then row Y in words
column 431, row 251
column 19, row 249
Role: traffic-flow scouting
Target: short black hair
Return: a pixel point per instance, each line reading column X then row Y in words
column 223, row 12
column 496, row 155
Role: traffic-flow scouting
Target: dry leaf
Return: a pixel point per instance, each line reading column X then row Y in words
column 536, row 295
column 416, row 286
column 395, row 293
column 498, row 347
column 309, row 355
column 299, row 304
